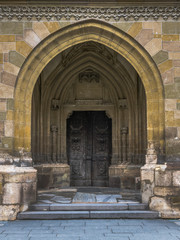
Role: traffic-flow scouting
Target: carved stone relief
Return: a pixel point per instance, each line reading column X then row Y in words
column 54, row 13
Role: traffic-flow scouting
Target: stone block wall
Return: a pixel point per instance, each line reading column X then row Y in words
column 161, row 39
column 53, row 175
column 161, row 189
column 17, row 190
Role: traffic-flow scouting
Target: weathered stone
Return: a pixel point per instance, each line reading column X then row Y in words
column 6, row 57
column 170, row 214
column 171, row 27
column 8, row 79
column 19, row 38
column 2, row 106
column 29, row 192
column 7, row 142
column 177, row 72
column 11, row 68
column 147, row 182
column 31, row 38
column 171, row 91
column 160, row 57
column 8, row 212
column 166, row 191
column 154, row 46
column 9, row 115
column 10, row 104
column 23, row 48
column 8, row 128
column 163, row 178
column 11, row 28
column 21, row 177
column 1, row 58
column 12, row 193
column 170, row 37
column 145, row 36
column 50, row 175
column 7, row 46
column 176, row 114
column 156, row 26
column 52, row 26
column 171, row 132
column 135, row 29
column 178, row 106
column 176, row 63
column 40, row 29
column 165, row 66
column 7, row 38
column 159, row 204
column 16, row 58
column 171, row 46
column 2, row 116
column 176, row 178
column 124, row 26
column 170, row 104
column 174, row 55
column 28, row 25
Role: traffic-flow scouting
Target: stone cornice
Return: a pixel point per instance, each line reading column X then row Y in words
column 56, row 13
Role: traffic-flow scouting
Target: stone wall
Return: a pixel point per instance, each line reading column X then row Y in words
column 160, row 39
column 53, row 175
column 17, row 190
column 161, row 188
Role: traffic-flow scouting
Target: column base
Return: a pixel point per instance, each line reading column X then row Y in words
column 125, row 176
column 53, row 175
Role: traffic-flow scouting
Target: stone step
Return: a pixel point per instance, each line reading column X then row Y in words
column 87, row 207
column 50, row 215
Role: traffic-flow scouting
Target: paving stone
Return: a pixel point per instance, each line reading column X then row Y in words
column 53, row 215
column 39, row 207
column 42, row 235
column 150, row 236
column 89, row 206
column 123, row 214
column 60, row 199
column 84, row 197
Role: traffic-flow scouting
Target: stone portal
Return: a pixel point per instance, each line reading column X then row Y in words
column 89, row 84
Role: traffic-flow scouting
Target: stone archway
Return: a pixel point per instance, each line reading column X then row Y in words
column 107, row 35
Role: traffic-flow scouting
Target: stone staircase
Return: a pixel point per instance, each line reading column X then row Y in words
column 83, row 205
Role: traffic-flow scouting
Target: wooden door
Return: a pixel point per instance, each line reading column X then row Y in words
column 89, row 148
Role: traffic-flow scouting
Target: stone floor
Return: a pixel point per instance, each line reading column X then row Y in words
column 87, row 195
column 118, row 229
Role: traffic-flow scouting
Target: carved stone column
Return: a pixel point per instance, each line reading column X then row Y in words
column 54, row 130
column 124, row 132
column 151, row 156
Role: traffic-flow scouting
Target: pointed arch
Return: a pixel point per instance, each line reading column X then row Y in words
column 83, row 31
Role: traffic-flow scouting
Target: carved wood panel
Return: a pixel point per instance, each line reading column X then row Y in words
column 89, row 148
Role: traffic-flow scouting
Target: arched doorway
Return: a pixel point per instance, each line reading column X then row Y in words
column 89, row 81
column 125, row 107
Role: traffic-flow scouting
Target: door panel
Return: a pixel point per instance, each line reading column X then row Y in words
column 89, row 148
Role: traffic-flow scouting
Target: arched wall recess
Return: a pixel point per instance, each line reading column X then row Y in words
column 105, row 34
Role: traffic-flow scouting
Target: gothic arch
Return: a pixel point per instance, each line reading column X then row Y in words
column 105, row 34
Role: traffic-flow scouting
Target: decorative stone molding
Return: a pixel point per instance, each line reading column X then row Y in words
column 51, row 13
column 123, row 103
column 54, row 104
column 88, row 47
column 89, row 76
column 151, row 156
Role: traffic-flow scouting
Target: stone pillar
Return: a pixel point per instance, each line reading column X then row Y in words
column 148, row 174
column 54, row 130
column 124, row 132
column 17, row 190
